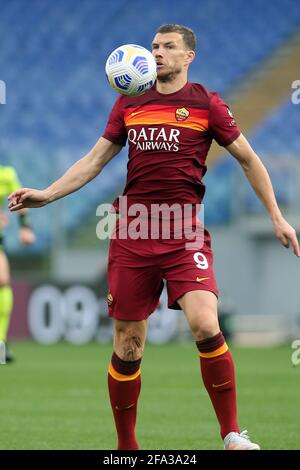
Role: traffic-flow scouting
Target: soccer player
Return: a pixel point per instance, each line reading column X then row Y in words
column 9, row 182
column 169, row 129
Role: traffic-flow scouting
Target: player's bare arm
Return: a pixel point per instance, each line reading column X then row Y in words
column 78, row 175
column 261, row 183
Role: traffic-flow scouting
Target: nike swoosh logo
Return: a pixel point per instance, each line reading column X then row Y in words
column 125, row 407
column 200, row 279
column 220, row 385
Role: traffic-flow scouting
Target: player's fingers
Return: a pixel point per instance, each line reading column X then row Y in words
column 291, row 237
column 16, row 207
column 13, row 203
column 284, row 240
column 25, row 195
column 295, row 244
column 14, row 197
column 16, row 194
column 17, row 199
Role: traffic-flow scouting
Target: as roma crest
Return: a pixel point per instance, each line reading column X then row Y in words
column 182, row 114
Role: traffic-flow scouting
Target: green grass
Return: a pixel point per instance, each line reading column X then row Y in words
column 56, row 398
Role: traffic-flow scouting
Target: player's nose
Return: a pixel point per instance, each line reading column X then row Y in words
column 157, row 53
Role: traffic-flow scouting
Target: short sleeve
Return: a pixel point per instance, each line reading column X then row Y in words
column 115, row 130
column 221, row 122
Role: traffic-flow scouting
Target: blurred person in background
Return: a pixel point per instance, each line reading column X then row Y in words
column 9, row 182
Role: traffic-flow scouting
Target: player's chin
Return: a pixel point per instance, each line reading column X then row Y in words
column 164, row 76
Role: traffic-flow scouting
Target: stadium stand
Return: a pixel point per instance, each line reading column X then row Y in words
column 279, row 147
column 58, row 99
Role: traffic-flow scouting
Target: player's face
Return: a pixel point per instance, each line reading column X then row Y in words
column 171, row 55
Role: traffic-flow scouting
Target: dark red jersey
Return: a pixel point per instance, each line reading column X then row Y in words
column 169, row 136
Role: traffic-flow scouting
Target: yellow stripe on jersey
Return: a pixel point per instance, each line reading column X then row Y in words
column 196, row 119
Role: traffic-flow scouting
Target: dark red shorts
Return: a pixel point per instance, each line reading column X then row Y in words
column 137, row 268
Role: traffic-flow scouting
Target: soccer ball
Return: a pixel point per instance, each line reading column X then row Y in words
column 131, row 69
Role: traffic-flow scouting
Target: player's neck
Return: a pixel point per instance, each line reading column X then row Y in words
column 171, row 87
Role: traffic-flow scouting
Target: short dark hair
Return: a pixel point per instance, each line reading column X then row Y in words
column 188, row 35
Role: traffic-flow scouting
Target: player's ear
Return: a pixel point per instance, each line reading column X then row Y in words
column 190, row 56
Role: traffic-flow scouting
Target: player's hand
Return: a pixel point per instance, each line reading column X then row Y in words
column 286, row 234
column 26, row 236
column 27, row 198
